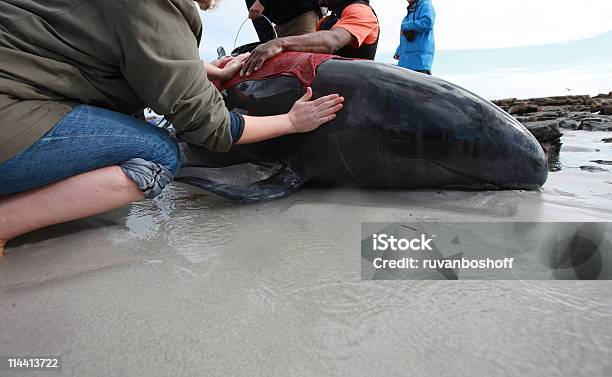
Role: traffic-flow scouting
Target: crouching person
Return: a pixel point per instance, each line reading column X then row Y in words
column 67, row 148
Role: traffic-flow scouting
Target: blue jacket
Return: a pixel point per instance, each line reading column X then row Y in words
column 419, row 54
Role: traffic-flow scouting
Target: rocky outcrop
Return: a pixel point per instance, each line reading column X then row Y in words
column 601, row 103
column 546, row 117
column 523, row 109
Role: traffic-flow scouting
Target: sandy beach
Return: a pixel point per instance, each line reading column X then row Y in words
column 194, row 284
column 314, row 188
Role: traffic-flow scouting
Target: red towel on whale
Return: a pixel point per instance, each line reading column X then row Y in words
column 301, row 65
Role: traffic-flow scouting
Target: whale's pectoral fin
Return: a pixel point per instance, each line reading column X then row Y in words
column 244, row 182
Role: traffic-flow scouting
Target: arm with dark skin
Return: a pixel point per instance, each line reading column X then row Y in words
column 325, row 42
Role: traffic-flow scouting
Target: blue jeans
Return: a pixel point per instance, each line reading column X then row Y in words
column 90, row 138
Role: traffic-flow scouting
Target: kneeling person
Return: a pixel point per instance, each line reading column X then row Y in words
column 68, row 149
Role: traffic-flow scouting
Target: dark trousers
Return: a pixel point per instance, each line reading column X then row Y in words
column 264, row 30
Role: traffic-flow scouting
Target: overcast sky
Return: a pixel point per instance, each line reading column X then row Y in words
column 497, row 31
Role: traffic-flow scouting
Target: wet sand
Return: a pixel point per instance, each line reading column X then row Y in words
column 193, row 284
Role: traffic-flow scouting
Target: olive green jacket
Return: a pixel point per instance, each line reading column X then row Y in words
column 122, row 55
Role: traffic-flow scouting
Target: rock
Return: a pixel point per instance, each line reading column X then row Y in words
column 579, row 108
column 524, row 120
column 549, row 137
column 560, row 111
column 574, row 102
column 595, row 109
column 596, row 124
column 569, row 124
column 563, row 100
column 609, row 95
column 606, row 110
column 545, row 131
column 508, row 102
column 548, row 116
column 592, row 168
column 579, row 116
column 552, row 150
column 523, row 109
column 544, row 117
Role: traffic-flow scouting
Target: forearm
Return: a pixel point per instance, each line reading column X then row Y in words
column 305, row 116
column 213, row 72
column 319, row 42
column 258, row 129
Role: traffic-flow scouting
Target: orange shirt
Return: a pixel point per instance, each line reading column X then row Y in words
column 360, row 21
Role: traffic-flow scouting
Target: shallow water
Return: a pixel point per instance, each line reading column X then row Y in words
column 192, row 284
column 585, row 149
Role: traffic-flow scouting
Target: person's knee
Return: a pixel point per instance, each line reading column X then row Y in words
column 167, row 153
column 174, row 157
column 150, row 177
column 154, row 170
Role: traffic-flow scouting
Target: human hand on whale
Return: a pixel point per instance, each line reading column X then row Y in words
column 260, row 55
column 306, row 115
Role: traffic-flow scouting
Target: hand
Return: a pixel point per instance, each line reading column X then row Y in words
column 206, row 4
column 259, row 56
column 307, row 115
column 232, row 66
column 219, row 63
column 256, row 10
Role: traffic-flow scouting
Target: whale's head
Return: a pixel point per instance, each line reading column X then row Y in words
column 405, row 129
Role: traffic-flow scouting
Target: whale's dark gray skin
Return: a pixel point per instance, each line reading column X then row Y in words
column 398, row 130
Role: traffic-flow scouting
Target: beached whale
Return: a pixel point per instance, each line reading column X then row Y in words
column 398, row 130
